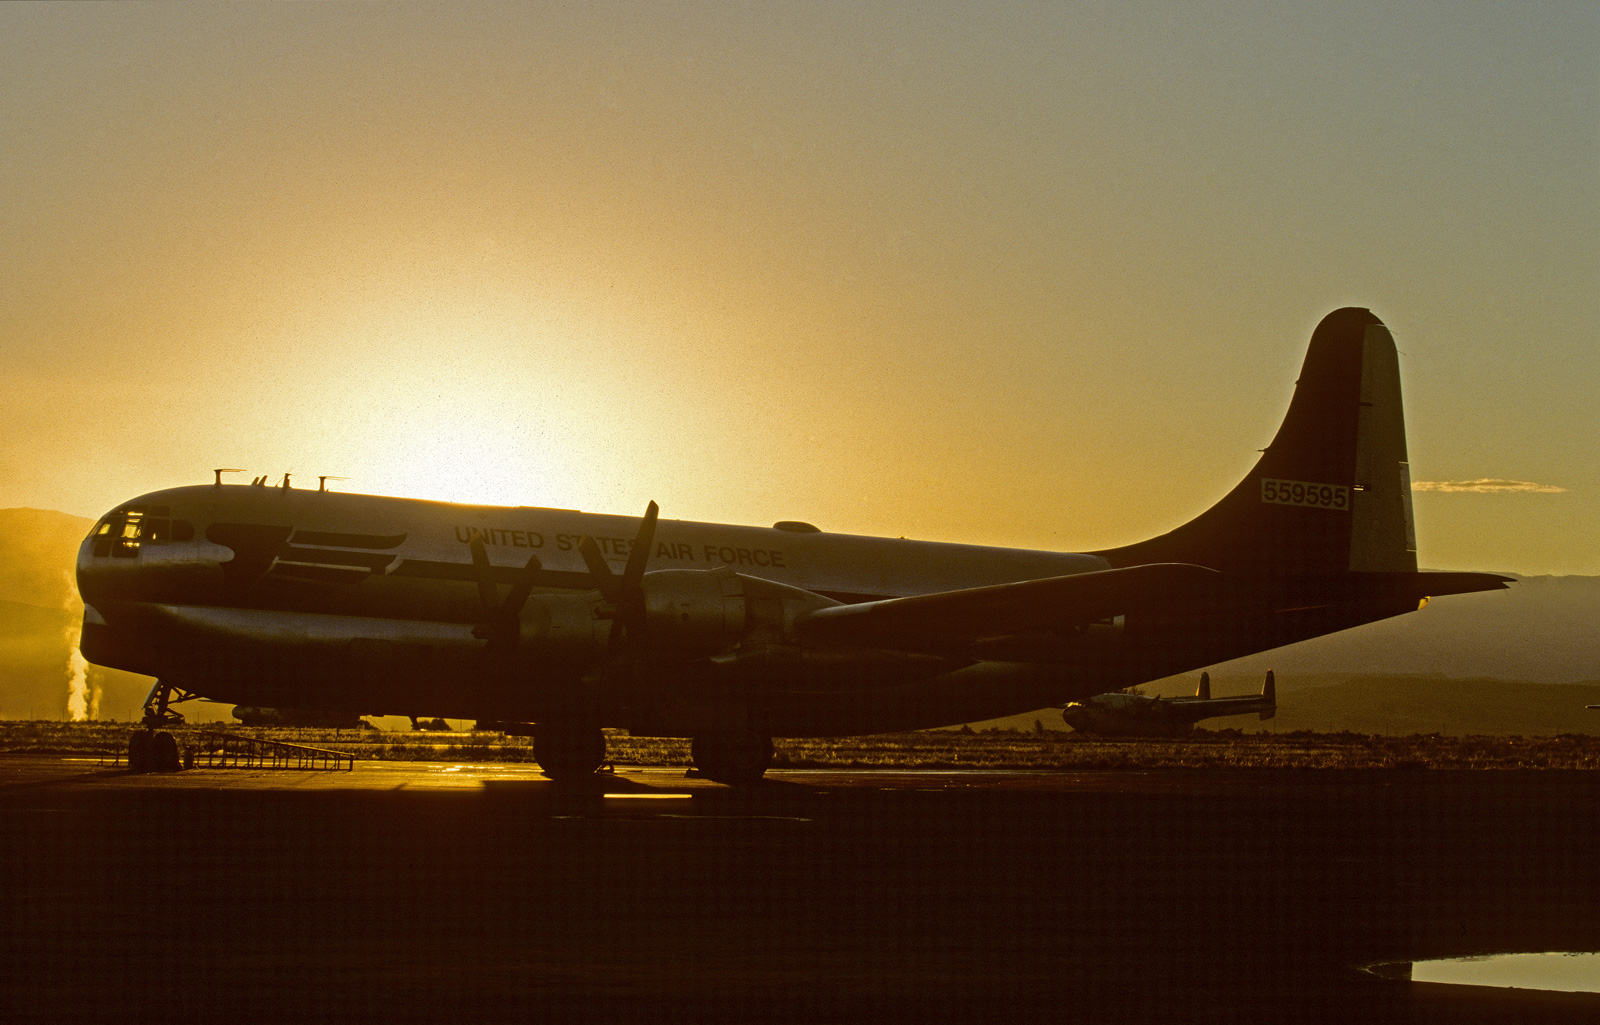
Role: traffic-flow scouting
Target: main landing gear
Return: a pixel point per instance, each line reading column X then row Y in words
column 738, row 758
column 153, row 749
column 572, row 754
column 569, row 754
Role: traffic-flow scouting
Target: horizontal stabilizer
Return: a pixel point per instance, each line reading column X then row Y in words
column 1417, row 586
column 1402, row 592
column 1434, row 585
column 1052, row 604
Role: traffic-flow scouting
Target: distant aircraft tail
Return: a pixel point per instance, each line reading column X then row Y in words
column 1332, row 493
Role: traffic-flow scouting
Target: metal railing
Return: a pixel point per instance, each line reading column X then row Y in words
column 214, row 750
column 224, row 750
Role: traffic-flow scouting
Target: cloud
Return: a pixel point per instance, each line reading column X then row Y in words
column 1485, row 486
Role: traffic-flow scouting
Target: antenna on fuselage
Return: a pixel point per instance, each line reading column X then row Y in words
column 284, row 484
column 322, row 481
column 259, row 482
column 220, row 472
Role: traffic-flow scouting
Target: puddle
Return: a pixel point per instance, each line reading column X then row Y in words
column 1569, row 972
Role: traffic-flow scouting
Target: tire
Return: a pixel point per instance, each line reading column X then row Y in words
column 139, row 754
column 569, row 754
column 164, row 752
column 737, row 758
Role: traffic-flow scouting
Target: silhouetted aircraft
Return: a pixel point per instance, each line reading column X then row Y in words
column 302, row 717
column 1135, row 715
column 733, row 635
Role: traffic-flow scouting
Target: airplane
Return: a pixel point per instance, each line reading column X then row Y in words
column 1134, row 715
column 571, row 622
column 300, row 717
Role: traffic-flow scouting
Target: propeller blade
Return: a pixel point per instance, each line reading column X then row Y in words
column 503, row 625
column 520, row 590
column 639, row 554
column 625, row 593
column 499, row 622
column 605, row 581
column 486, row 588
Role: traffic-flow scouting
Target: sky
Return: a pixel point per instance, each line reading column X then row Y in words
column 1037, row 275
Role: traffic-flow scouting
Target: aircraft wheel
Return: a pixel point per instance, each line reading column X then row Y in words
column 738, row 758
column 569, row 753
column 164, row 752
column 139, row 750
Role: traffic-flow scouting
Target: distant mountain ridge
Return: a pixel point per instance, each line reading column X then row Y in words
column 1404, row 705
column 40, row 613
column 38, row 555
column 1541, row 629
column 1394, row 705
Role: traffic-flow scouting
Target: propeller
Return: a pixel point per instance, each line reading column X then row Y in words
column 500, row 625
column 624, row 595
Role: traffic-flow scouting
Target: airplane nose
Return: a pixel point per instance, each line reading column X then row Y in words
column 144, row 553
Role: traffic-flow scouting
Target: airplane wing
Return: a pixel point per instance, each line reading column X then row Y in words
column 1027, row 606
column 936, row 622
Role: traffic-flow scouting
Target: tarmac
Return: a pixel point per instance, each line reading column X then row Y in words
column 406, row 891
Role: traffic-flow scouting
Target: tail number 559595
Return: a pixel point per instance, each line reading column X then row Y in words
column 1305, row 493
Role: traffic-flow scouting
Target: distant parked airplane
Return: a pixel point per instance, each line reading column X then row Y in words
column 313, row 718
column 1135, row 715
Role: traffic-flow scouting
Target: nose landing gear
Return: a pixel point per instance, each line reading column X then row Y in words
column 153, row 749
column 156, row 751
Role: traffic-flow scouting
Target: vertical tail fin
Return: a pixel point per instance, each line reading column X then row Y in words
column 1204, row 693
column 1332, row 493
column 1269, row 692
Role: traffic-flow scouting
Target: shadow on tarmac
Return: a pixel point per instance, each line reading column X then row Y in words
column 1170, row 900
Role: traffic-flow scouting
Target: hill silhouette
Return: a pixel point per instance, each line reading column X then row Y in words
column 38, row 550
column 1389, row 705
column 1408, row 704
column 1541, row 629
column 1525, row 660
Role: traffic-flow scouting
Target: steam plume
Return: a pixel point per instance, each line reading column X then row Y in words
column 83, row 699
column 81, row 704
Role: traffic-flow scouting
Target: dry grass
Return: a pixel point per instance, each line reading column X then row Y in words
column 942, row 749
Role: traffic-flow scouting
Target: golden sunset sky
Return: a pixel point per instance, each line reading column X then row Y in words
column 1034, row 275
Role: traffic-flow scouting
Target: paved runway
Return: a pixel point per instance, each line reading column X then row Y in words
column 426, row 892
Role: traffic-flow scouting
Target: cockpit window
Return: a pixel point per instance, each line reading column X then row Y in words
column 122, row 533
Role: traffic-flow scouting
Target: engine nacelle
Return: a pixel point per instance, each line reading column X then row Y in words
column 712, row 612
column 694, row 610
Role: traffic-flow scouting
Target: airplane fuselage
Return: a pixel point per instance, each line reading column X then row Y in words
column 311, row 599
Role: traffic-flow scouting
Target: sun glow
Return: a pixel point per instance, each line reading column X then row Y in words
column 506, row 451
column 478, row 403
